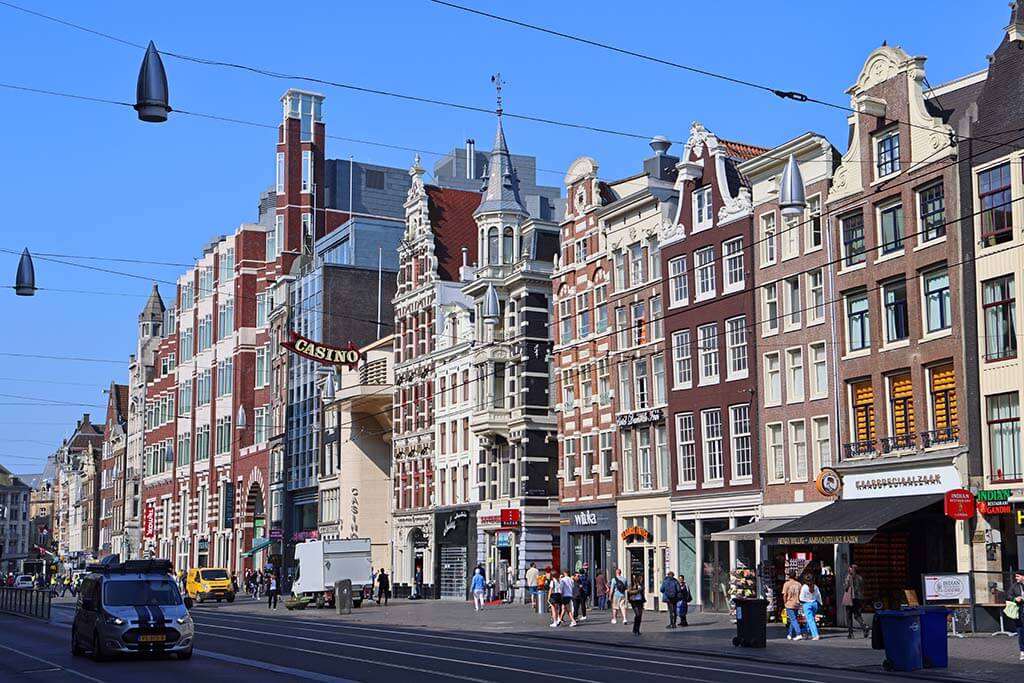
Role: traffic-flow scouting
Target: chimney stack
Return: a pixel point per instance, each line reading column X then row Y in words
column 470, row 158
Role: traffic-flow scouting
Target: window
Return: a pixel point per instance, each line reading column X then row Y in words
column 707, row 341
column 822, row 442
column 185, row 398
column 184, row 449
column 772, row 379
column 682, row 371
column 895, row 296
column 205, row 282
column 565, row 315
column 639, row 323
column 604, row 382
column 568, row 389
column 640, row 380
column 205, row 332
column 272, row 242
column 736, row 341
column 794, row 303
column 202, row 443
column 586, row 383
column 261, row 309
column 815, row 296
column 656, row 318
column 658, row 377
column 819, row 370
column 858, row 330
column 705, row 273
column 996, row 210
column 261, row 424
column 623, row 328
column 932, row 211
column 687, row 453
column 374, row 179
column 262, row 367
column 734, row 275
column 223, row 435
column 587, row 453
column 628, row 480
column 307, row 233
column 887, row 153
column 636, row 265
column 606, row 453
column 901, row 407
column 582, row 315
column 620, row 270
column 853, row 239
column 280, row 173
column 307, row 170
column 279, row 238
column 702, row 208
column 768, row 238
column 187, row 296
column 944, row 407
column 679, row 288
column 654, row 255
column 203, row 387
column 508, row 249
column 1000, row 304
column 601, row 307
column 643, row 456
column 936, row 300
column 226, row 318
column 814, row 236
column 711, row 433
column 1003, row 416
column 570, row 458
column 492, row 246
column 790, row 237
column 890, row 221
column 625, row 388
column 771, row 308
column 798, row 449
column 739, row 429
column 186, row 344
column 225, row 376
column 776, row 454
column 863, row 412
column 794, row 375
column 581, row 250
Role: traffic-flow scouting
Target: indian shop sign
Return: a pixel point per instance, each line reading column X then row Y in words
column 324, row 353
column 959, row 504
column 995, row 502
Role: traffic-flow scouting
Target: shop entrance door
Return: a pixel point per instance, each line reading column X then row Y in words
column 453, row 572
column 636, row 562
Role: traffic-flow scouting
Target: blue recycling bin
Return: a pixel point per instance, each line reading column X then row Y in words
column 934, row 638
column 901, row 630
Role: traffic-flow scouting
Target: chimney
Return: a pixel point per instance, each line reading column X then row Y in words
column 662, row 165
column 464, row 272
column 470, row 158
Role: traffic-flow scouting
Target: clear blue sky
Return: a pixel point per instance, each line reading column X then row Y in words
column 89, row 179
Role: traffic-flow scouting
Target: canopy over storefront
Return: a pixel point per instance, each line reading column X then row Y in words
column 257, row 546
column 848, row 521
column 752, row 531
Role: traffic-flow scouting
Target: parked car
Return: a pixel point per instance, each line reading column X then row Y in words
column 24, row 581
column 209, row 583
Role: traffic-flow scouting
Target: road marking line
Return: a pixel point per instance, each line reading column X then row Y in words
column 49, row 663
column 276, row 668
column 279, row 635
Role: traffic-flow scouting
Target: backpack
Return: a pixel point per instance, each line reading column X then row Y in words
column 671, row 589
column 620, row 585
column 687, row 597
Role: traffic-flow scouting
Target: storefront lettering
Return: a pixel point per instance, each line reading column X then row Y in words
column 995, row 495
column 485, row 520
column 819, row 540
column 640, row 418
column 899, row 482
column 636, row 531
column 453, row 521
column 323, row 353
column 585, row 518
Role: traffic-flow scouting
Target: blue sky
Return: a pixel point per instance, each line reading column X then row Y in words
column 89, row 179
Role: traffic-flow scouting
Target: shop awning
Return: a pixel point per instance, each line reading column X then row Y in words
column 752, row 531
column 259, row 545
column 848, row 521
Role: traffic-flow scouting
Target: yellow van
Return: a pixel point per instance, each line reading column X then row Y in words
column 209, row 583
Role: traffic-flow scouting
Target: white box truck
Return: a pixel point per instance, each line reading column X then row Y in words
column 322, row 563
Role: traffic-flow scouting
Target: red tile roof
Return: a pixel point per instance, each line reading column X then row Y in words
column 741, row 150
column 451, row 217
column 122, row 400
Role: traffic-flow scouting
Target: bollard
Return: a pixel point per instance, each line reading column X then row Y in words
column 540, row 603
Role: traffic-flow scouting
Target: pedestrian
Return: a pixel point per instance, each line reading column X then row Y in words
column 617, row 589
column 685, row 598
column 791, row 602
column 601, row 590
column 271, row 591
column 853, row 595
column 585, row 590
column 554, row 597
column 532, row 575
column 234, row 583
column 510, row 576
column 670, row 594
column 418, row 578
column 478, row 586
column 568, row 587
column 1016, row 596
column 637, row 598
column 810, row 599
column 383, row 587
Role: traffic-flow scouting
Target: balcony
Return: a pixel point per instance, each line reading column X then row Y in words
column 860, row 449
column 900, row 442
column 947, row 436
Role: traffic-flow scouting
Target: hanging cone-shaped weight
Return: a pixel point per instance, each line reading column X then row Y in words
column 791, row 189
column 25, row 282
column 151, row 98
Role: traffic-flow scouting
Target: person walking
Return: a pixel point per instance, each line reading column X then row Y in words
column 478, row 586
column 685, row 598
column 568, row 586
column 1016, row 596
column 532, row 574
column 510, row 595
column 853, row 596
column 600, row 590
column 810, row 598
column 670, row 594
column 637, row 598
column 554, row 597
column 383, row 587
column 585, row 590
column 617, row 589
column 791, row 601
column 271, row 591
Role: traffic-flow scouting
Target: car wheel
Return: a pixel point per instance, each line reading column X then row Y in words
column 357, row 603
column 320, row 601
column 187, row 654
column 98, row 653
column 200, row 598
column 218, row 599
column 76, row 649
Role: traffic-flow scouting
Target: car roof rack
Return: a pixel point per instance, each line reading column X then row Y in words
column 132, row 567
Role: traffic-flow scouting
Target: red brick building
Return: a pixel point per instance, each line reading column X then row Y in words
column 112, row 468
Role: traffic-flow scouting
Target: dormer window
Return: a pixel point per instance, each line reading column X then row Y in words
column 507, row 246
column 887, row 153
column 492, row 246
column 702, row 211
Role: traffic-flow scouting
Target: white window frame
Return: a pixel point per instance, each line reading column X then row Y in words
column 570, row 460
column 682, row 359
column 814, row 213
column 729, row 261
column 819, row 460
column 703, row 208
column 738, row 432
column 686, row 451
column 704, row 262
column 795, row 386
column 769, row 239
column 709, row 369
column 770, row 295
column 775, row 451
column 790, row 234
column 817, row 357
column 737, row 348
column 679, row 287
column 795, row 448
column 794, row 304
column 280, row 174
column 711, row 434
column 815, row 297
column 769, row 399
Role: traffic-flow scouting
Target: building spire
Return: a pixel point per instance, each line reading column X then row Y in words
column 501, row 182
column 498, row 83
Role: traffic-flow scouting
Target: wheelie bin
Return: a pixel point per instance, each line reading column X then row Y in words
column 751, row 622
column 934, row 637
column 901, row 631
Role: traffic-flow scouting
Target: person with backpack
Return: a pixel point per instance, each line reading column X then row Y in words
column 617, row 590
column 670, row 594
column 584, row 581
column 685, row 598
column 637, row 597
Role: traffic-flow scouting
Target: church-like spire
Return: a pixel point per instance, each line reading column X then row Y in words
column 154, row 309
column 501, row 183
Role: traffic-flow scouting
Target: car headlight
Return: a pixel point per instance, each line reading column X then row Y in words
column 182, row 620
column 116, row 621
column 205, row 586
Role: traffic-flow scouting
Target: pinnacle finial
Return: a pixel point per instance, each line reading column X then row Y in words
column 498, row 83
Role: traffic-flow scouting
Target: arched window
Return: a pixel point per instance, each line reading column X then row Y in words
column 508, row 246
column 492, row 246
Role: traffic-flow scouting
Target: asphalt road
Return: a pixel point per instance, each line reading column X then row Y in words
column 233, row 643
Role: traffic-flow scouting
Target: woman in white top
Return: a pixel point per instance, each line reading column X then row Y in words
column 810, row 600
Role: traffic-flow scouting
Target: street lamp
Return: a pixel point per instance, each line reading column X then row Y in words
column 169, row 454
column 25, row 280
column 240, row 420
column 792, row 201
column 151, row 97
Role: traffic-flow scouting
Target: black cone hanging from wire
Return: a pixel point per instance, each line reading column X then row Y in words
column 151, row 98
column 25, row 282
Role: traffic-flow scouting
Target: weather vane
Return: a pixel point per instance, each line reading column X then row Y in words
column 498, row 83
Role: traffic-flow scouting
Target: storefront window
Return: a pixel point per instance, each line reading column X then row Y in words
column 714, row 568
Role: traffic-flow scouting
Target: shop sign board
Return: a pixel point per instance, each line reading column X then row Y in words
column 959, row 504
column 909, row 482
column 828, row 482
column 324, row 353
column 1018, row 519
column 636, row 531
column 820, row 539
column 946, row 587
column 640, row 418
column 511, row 517
column 503, row 539
column 276, row 534
column 489, row 520
column 994, row 502
column 149, row 522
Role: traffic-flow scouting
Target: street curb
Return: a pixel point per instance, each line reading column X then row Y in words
column 942, row 676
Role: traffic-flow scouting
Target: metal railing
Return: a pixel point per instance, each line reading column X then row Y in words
column 899, row 442
column 859, row 449
column 27, row 602
column 938, row 437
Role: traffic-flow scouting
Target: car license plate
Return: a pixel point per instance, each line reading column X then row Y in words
column 152, row 638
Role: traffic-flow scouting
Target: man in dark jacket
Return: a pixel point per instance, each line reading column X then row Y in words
column 585, row 590
column 383, row 587
column 670, row 593
column 1016, row 594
